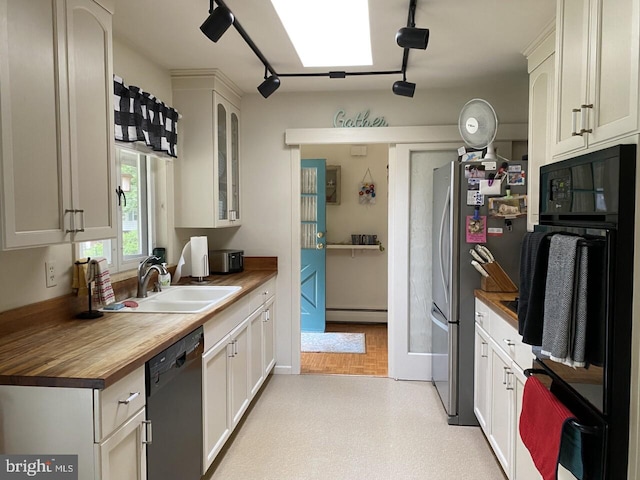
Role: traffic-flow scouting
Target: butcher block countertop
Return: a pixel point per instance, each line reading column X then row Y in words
column 59, row 350
column 492, row 299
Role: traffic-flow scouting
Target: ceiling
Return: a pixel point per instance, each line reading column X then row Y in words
column 470, row 41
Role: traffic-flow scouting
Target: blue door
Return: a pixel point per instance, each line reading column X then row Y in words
column 313, row 227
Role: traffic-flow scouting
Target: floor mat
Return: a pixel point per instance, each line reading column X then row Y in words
column 332, row 342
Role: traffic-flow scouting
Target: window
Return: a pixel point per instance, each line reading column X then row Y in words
column 135, row 232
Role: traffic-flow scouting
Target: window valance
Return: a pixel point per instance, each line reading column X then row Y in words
column 141, row 117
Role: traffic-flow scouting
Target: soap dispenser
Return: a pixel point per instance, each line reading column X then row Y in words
column 165, row 278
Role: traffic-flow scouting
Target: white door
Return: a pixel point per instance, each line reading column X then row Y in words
column 410, row 220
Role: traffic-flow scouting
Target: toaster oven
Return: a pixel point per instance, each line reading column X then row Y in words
column 226, row 261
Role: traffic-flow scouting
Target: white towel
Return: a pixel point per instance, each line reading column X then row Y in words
column 99, row 271
column 565, row 303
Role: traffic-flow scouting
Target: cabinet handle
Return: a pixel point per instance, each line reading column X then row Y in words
column 584, row 117
column 482, row 349
column 81, row 229
column 149, row 432
column 479, row 317
column 71, row 221
column 504, row 375
column 508, row 342
column 130, row 399
column 574, row 121
column 230, row 355
column 509, row 384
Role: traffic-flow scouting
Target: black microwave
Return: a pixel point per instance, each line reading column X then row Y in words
column 588, row 188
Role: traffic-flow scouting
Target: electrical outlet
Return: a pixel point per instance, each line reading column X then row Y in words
column 50, row 270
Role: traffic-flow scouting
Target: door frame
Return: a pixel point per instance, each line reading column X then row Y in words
column 393, row 136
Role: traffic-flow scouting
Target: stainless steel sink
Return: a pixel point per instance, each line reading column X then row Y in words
column 181, row 299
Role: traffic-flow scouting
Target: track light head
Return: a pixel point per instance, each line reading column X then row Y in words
column 411, row 37
column 217, row 23
column 404, row 88
column 269, row 86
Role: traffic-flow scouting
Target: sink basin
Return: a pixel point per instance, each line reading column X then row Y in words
column 181, row 299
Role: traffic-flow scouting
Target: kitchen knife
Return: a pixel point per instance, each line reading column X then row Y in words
column 476, row 256
column 479, row 268
column 485, row 253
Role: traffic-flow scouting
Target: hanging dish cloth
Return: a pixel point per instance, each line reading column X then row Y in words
column 79, row 281
column 100, row 271
column 367, row 192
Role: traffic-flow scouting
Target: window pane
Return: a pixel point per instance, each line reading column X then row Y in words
column 133, row 181
column 98, row 248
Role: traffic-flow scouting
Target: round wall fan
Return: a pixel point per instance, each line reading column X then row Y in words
column 478, row 124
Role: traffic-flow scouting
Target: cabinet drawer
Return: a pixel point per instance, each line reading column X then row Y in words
column 222, row 323
column 504, row 335
column 483, row 315
column 261, row 294
column 115, row 404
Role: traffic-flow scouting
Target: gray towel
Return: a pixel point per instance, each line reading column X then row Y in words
column 565, row 304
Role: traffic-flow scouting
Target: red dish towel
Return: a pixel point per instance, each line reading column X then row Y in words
column 541, row 422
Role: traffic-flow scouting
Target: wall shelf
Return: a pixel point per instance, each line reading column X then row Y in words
column 353, row 248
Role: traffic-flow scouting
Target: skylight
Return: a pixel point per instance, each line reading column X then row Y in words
column 327, row 33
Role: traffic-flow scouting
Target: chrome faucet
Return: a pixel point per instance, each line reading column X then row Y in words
column 145, row 268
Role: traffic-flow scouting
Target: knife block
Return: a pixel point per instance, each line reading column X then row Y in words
column 498, row 280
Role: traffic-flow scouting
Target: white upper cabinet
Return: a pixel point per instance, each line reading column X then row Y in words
column 56, row 122
column 541, row 66
column 91, row 119
column 597, row 62
column 207, row 172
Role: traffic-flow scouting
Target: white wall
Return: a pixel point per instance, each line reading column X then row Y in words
column 266, row 162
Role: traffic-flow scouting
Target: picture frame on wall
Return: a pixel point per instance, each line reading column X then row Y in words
column 333, row 184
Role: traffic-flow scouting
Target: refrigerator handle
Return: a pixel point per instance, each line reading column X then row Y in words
column 441, row 244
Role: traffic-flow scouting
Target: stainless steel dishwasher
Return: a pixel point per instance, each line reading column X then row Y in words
column 174, row 407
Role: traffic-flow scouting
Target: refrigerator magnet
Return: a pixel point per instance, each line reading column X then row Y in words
column 474, row 197
column 476, row 231
column 516, row 178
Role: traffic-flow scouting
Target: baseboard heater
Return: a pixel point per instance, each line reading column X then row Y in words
column 356, row 315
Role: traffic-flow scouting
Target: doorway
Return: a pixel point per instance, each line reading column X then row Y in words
column 356, row 286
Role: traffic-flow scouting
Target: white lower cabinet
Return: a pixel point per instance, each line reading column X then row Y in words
column 236, row 365
column 481, row 378
column 105, row 428
column 215, row 391
column 500, row 360
column 500, row 425
column 123, row 454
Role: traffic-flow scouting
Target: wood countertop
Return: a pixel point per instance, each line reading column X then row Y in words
column 62, row 351
column 492, row 299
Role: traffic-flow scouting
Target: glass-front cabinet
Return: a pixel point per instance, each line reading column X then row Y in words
column 207, row 171
column 228, row 188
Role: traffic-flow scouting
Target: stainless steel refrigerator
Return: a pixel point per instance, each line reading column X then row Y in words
column 454, row 278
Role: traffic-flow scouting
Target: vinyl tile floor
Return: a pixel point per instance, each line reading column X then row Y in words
column 333, row 427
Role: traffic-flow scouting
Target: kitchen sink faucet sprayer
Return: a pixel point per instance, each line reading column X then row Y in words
column 145, row 268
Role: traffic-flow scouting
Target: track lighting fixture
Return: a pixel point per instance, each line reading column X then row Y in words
column 217, row 23
column 411, row 37
column 404, row 88
column 221, row 18
column 269, row 85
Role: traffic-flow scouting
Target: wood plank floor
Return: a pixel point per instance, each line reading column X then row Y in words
column 373, row 363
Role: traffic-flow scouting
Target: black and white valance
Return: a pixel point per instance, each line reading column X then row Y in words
column 139, row 116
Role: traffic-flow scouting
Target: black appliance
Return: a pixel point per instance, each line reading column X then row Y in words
column 174, row 407
column 593, row 196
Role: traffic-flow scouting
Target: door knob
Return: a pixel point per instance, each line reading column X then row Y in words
column 320, row 234
column 319, row 246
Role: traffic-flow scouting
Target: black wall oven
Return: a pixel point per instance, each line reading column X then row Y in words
column 593, row 196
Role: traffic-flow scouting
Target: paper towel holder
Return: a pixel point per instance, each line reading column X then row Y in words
column 200, row 279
